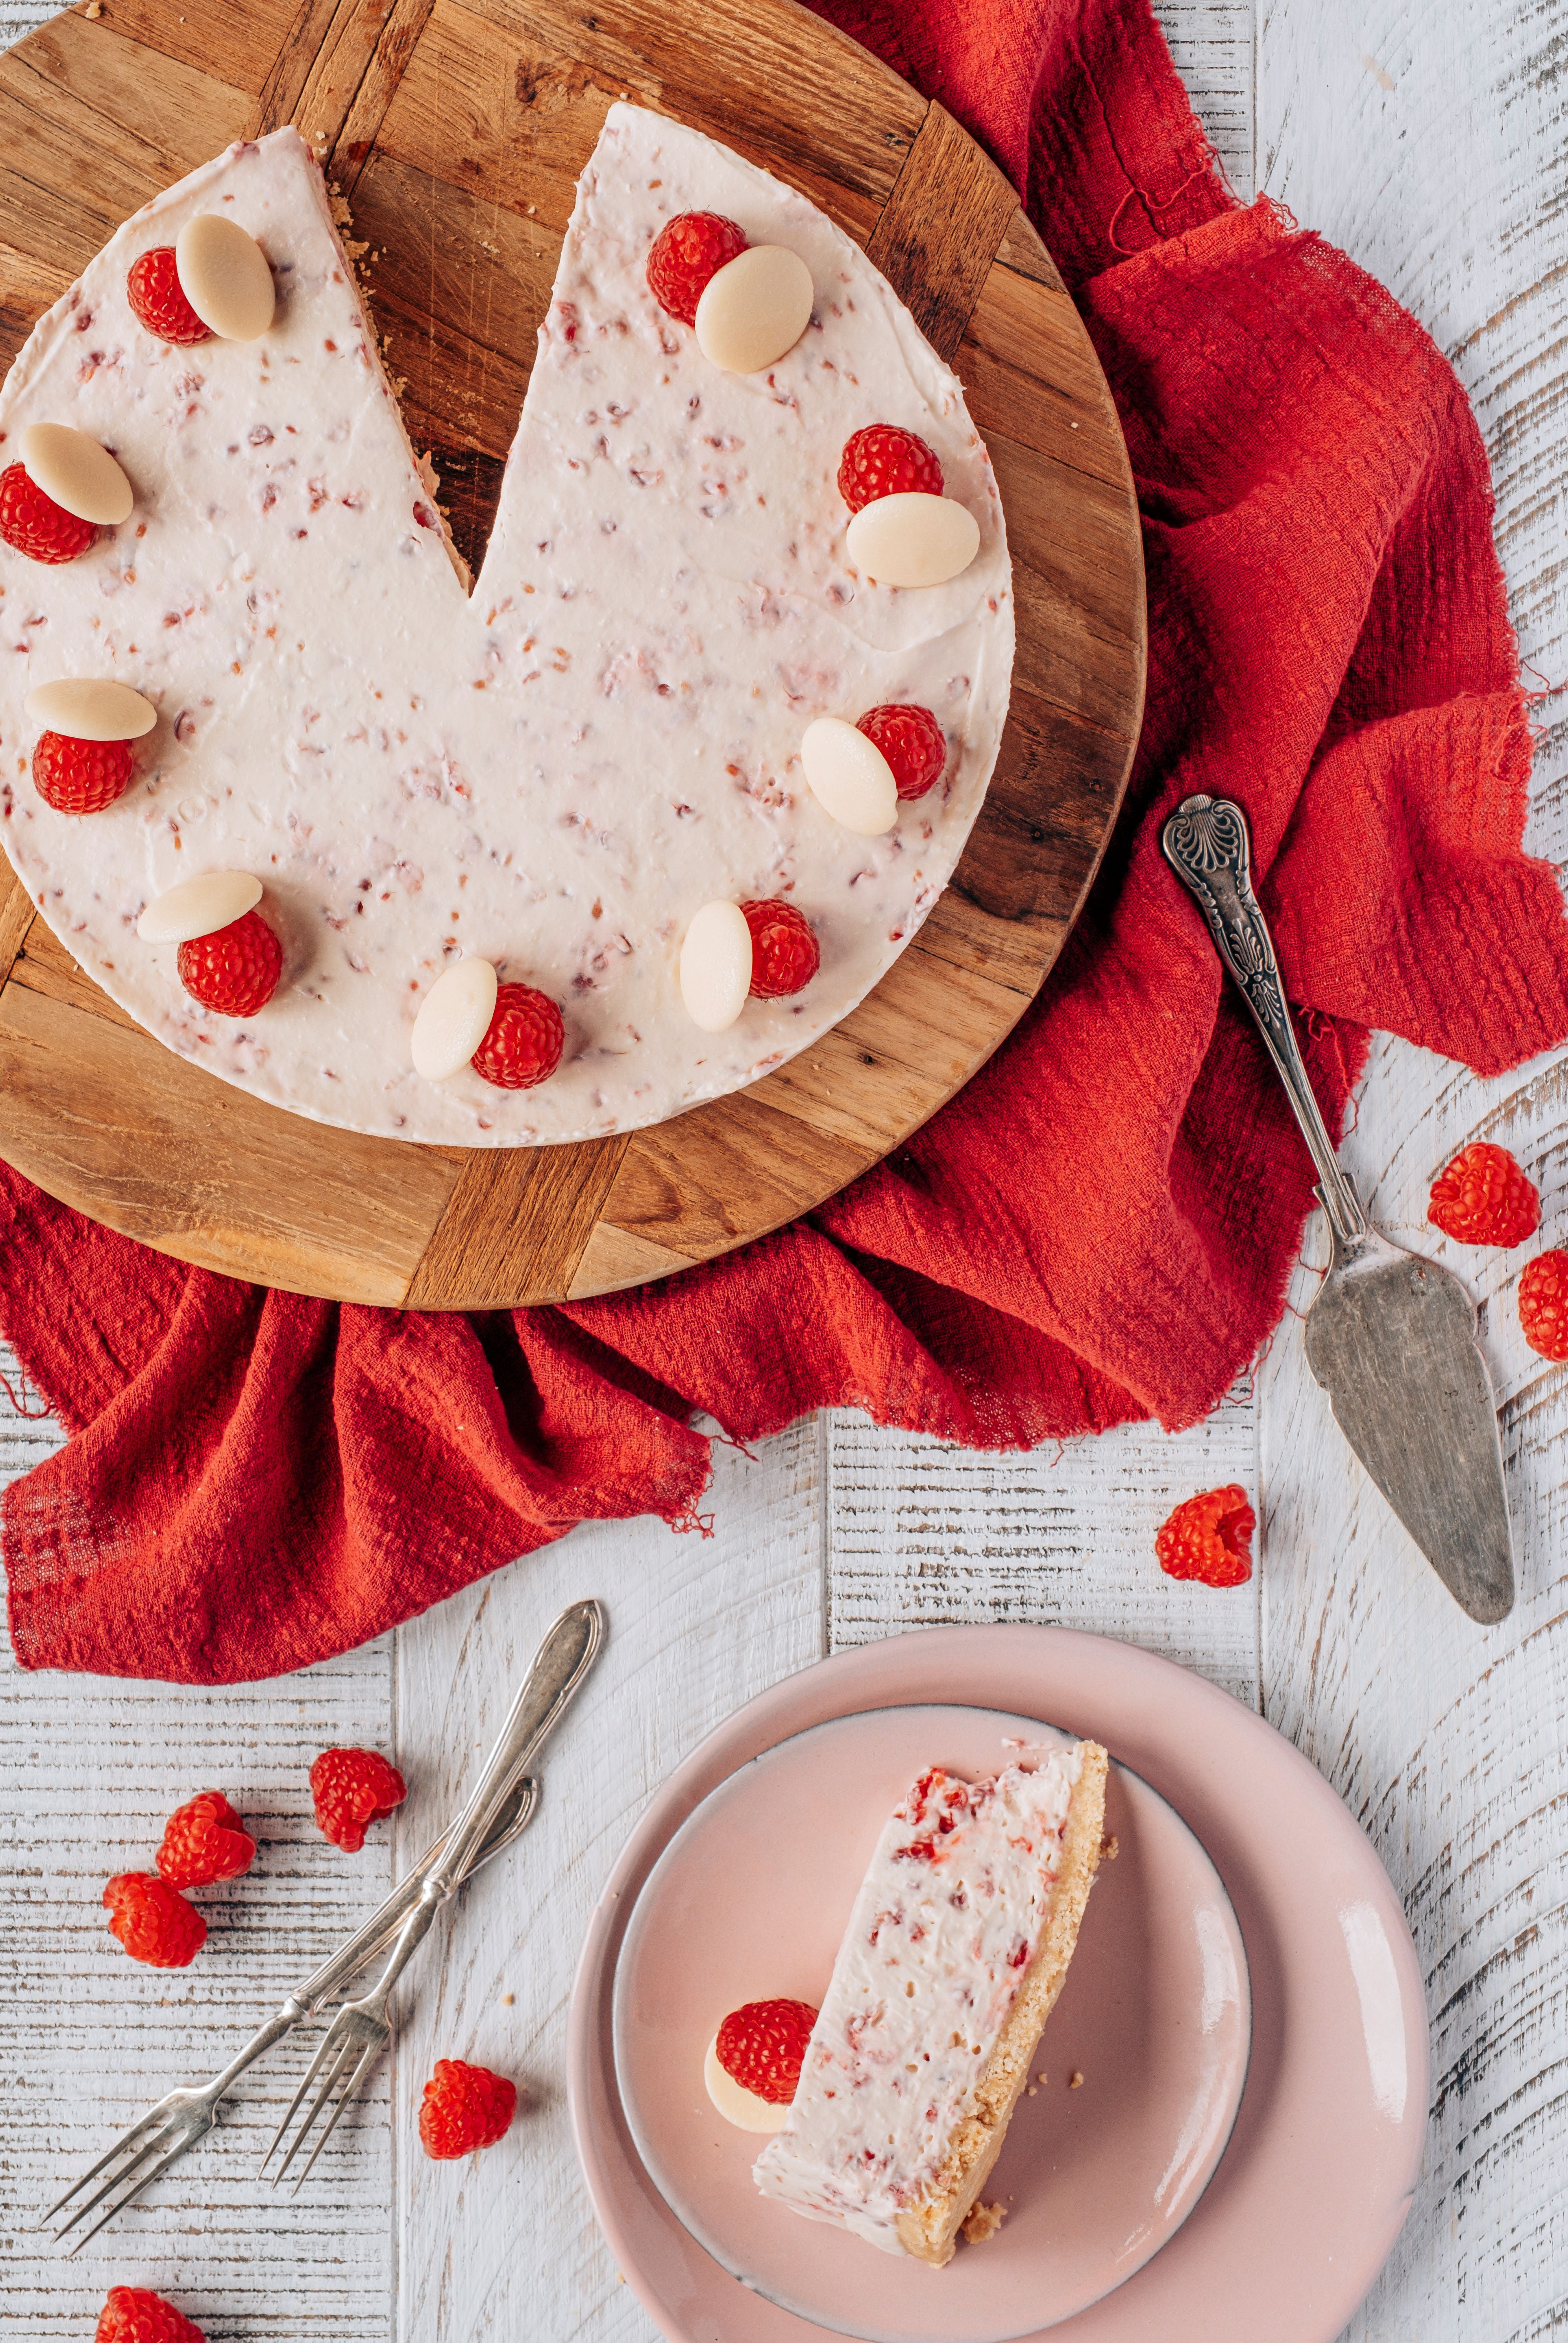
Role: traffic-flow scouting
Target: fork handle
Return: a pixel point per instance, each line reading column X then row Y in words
column 368, row 1942
column 562, row 1661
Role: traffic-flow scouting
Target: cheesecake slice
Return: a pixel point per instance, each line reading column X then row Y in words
column 954, row 1954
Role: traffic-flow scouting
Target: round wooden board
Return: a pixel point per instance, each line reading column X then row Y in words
column 456, row 133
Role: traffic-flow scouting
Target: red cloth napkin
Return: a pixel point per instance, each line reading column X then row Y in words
column 1101, row 1225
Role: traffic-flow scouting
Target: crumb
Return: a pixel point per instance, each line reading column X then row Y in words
column 1074, row 2080
column 1042, row 2078
column 1109, row 1849
column 508, row 1999
column 95, row 8
column 1032, row 2090
column 984, row 2221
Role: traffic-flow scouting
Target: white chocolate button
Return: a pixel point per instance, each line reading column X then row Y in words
column 199, row 907
column 89, row 708
column 754, row 308
column 454, row 1019
column 80, row 475
column 735, row 2103
column 912, row 540
column 716, row 966
column 223, row 275
column 849, row 777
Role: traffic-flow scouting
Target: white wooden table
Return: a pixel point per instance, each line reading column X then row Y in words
column 1427, row 142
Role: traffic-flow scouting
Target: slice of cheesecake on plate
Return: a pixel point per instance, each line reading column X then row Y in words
column 956, row 1950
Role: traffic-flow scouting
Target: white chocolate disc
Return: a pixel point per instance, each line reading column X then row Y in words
column 755, row 308
column 735, row 2103
column 199, row 907
column 79, row 473
column 849, row 777
column 912, row 540
column 223, row 275
column 454, row 1019
column 716, row 966
column 89, row 708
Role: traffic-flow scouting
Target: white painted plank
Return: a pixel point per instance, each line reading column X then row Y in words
column 504, row 2246
column 1422, row 1749
column 19, row 17
column 925, row 1534
column 1428, row 143
column 1212, row 44
column 1446, row 1741
column 91, row 1766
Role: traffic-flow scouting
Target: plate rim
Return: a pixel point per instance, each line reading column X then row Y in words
column 613, row 1982
column 1020, row 1653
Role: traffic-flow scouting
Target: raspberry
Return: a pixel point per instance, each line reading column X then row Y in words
column 81, row 776
column 785, row 954
column 36, row 525
column 463, row 2108
column 133, row 2314
column 1209, row 1538
column 523, row 1041
column 761, row 2046
column 153, row 1920
column 687, row 251
column 205, row 1840
column 883, row 461
column 159, row 301
column 236, row 969
column 913, row 743
column 1483, row 1198
column 352, row 1788
column 1544, row 1304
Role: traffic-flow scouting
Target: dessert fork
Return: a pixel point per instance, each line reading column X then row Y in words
column 361, row 2029
column 164, row 2133
column 147, row 2148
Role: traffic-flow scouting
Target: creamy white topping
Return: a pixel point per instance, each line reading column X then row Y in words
column 554, row 776
column 948, row 1916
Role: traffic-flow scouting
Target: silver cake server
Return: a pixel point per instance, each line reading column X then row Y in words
column 1390, row 1336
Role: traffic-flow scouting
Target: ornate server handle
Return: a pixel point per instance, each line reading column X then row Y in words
column 1208, row 845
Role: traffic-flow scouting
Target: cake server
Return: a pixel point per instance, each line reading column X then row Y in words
column 1390, row 1336
column 147, row 2148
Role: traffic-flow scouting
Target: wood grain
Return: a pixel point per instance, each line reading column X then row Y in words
column 516, row 1215
column 940, row 228
column 92, row 1767
column 1446, row 1745
column 103, row 1118
column 462, row 129
column 1449, row 1745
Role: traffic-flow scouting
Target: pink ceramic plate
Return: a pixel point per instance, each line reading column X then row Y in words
column 1311, row 2193
column 749, row 1899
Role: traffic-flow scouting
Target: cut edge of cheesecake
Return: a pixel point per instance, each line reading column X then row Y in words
column 929, row 2228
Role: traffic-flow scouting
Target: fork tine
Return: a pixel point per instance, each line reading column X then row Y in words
column 372, row 2051
column 344, row 2054
column 311, row 2072
column 130, row 2196
column 127, row 2139
column 148, row 2149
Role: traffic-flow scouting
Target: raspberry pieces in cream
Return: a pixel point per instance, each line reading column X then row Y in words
column 955, row 1949
column 555, row 775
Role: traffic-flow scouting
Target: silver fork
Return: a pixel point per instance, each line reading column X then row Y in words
column 157, row 2140
column 147, row 2148
column 361, row 2029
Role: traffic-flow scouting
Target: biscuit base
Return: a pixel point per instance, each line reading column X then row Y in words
column 929, row 2228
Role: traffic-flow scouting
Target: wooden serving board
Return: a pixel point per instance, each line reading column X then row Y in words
column 456, row 133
